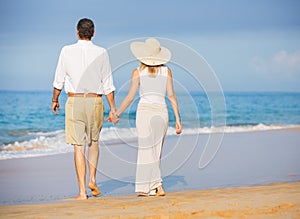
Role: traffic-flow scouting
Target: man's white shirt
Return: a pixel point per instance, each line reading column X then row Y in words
column 84, row 68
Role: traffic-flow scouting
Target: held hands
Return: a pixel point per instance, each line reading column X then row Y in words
column 112, row 117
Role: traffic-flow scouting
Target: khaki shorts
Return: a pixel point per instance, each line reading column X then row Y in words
column 84, row 119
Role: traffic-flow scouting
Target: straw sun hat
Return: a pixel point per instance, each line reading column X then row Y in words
column 150, row 52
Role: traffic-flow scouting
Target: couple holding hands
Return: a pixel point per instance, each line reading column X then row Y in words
column 84, row 71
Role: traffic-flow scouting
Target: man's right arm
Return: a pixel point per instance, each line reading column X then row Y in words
column 58, row 83
column 55, row 103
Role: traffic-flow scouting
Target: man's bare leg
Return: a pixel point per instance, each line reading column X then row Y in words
column 79, row 157
column 93, row 162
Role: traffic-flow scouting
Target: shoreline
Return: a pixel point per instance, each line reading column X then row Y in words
column 244, row 159
column 266, row 201
column 32, row 148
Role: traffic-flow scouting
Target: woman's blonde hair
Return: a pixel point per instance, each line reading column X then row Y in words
column 151, row 69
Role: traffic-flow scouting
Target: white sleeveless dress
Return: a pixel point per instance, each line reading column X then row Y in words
column 151, row 123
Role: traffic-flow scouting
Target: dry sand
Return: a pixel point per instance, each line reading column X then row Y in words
column 280, row 200
column 254, row 158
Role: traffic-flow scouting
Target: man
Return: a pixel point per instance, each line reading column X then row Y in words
column 84, row 71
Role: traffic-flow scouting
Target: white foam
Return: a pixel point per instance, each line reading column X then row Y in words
column 54, row 142
column 44, row 144
column 236, row 129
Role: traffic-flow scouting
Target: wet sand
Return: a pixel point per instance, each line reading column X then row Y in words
column 235, row 184
column 279, row 200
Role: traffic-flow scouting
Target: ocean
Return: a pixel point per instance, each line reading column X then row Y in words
column 28, row 128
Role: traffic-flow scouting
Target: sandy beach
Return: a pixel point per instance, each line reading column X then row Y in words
column 253, row 175
column 280, row 200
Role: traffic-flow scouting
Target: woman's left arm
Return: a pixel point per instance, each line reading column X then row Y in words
column 173, row 100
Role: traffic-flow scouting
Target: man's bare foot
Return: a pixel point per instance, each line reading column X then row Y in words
column 80, row 197
column 160, row 191
column 94, row 189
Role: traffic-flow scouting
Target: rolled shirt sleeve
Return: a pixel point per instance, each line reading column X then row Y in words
column 107, row 79
column 60, row 72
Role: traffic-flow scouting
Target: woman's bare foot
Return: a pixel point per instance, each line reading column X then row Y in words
column 160, row 191
column 142, row 194
column 95, row 191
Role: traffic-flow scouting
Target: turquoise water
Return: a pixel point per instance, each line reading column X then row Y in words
column 28, row 127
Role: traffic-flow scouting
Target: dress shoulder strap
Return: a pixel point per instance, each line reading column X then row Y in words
column 164, row 71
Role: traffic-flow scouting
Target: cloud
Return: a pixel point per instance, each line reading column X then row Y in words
column 282, row 63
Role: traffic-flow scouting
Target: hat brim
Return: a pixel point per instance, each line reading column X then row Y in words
column 139, row 50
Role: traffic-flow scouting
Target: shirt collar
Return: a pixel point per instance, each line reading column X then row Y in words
column 84, row 42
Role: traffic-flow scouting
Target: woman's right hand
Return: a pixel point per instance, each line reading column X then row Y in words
column 178, row 127
column 112, row 117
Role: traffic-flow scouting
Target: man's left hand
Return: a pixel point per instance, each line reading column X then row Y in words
column 112, row 117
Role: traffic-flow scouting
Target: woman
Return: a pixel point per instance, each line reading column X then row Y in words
column 154, row 79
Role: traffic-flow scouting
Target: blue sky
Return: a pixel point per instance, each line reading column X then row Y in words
column 251, row 45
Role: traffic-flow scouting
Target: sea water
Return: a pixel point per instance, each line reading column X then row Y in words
column 29, row 128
